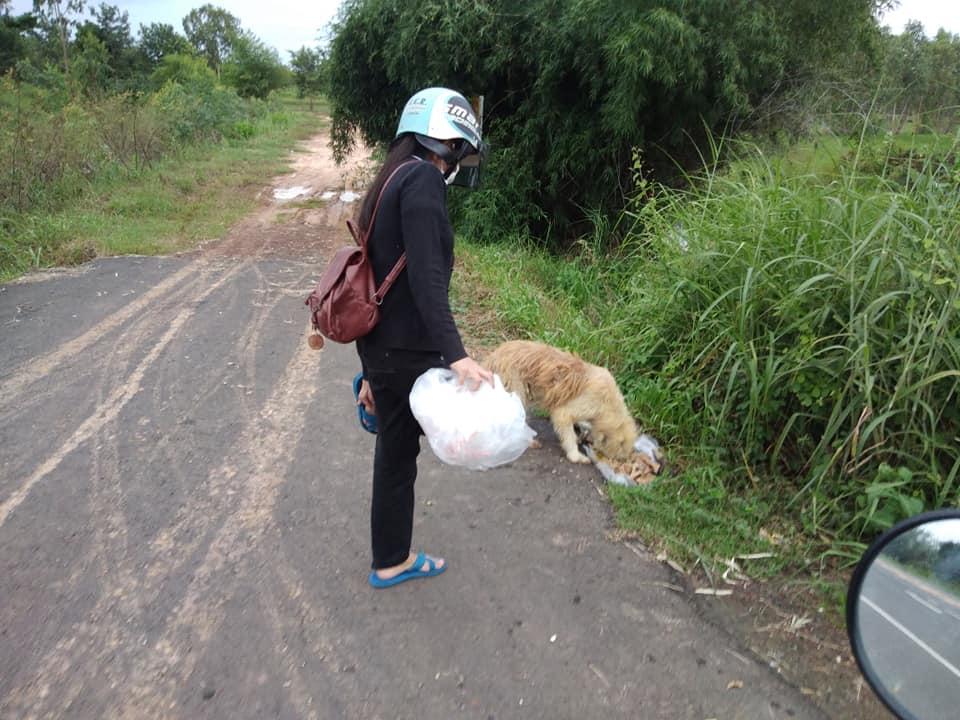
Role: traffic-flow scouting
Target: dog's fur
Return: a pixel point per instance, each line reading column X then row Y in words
column 573, row 391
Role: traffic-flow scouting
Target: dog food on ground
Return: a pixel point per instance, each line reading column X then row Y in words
column 640, row 469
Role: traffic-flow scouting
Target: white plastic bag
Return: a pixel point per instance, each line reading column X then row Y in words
column 476, row 429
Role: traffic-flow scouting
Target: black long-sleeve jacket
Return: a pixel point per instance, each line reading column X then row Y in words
column 415, row 314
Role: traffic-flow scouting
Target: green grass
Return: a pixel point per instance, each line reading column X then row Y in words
column 788, row 327
column 173, row 205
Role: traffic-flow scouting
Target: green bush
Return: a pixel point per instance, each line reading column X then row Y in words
column 572, row 87
column 788, row 328
column 242, row 130
column 198, row 111
column 183, row 69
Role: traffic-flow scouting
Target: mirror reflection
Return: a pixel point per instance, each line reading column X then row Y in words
column 909, row 619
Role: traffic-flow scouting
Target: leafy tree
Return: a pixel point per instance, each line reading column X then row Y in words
column 157, row 40
column 212, row 31
column 253, row 69
column 943, row 87
column 13, row 46
column 184, row 70
column 917, row 548
column 308, row 71
column 574, row 87
column 58, row 14
column 91, row 63
column 111, row 26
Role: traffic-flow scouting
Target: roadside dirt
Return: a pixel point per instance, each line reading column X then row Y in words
column 782, row 624
column 302, row 214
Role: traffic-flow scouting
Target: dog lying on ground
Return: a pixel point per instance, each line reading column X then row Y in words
column 573, row 391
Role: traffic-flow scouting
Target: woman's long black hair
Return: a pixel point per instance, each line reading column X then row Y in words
column 402, row 149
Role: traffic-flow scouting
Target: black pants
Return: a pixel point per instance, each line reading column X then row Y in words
column 391, row 374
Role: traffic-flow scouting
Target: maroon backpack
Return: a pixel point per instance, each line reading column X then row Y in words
column 345, row 304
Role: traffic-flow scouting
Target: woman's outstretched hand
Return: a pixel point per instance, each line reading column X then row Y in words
column 471, row 373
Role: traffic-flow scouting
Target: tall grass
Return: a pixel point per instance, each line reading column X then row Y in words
column 799, row 332
column 123, row 174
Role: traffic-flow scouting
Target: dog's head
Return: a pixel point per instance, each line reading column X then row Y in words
column 615, row 441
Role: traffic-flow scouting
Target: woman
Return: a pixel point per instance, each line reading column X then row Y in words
column 437, row 130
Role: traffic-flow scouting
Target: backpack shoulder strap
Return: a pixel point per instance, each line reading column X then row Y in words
column 362, row 240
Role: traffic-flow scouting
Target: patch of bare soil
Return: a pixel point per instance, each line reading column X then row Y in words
column 783, row 625
column 302, row 215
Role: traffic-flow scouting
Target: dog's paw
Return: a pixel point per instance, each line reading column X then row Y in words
column 577, row 457
column 535, row 444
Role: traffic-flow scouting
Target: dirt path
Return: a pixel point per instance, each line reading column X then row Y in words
column 183, row 521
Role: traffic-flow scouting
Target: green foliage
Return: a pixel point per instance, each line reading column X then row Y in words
column 57, row 20
column 309, row 71
column 797, row 331
column 107, row 176
column 90, row 69
column 158, row 40
column 212, row 31
column 183, row 69
column 197, row 111
column 897, row 82
column 253, row 69
column 700, row 516
column 884, row 503
column 573, row 86
column 13, row 44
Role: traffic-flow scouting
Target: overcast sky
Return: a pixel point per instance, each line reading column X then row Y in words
column 290, row 24
column 283, row 24
column 933, row 14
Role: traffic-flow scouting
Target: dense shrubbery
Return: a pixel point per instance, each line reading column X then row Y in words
column 815, row 324
column 77, row 98
column 572, row 88
column 800, row 330
column 82, row 100
column 54, row 143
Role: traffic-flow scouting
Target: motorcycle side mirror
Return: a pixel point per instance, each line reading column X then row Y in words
column 903, row 616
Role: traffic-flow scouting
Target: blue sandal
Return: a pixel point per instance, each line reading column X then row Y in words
column 422, row 567
column 367, row 421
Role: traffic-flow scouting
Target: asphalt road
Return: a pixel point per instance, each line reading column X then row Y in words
column 184, row 529
column 911, row 636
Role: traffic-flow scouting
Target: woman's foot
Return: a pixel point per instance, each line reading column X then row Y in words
column 415, row 566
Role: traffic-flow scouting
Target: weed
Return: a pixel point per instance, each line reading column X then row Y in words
column 193, row 193
column 787, row 329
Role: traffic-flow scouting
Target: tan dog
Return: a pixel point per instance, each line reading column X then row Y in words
column 573, row 391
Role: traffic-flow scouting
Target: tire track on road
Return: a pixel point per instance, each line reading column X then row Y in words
column 36, row 368
column 105, row 643
column 114, row 404
column 128, row 639
column 21, row 402
column 264, row 453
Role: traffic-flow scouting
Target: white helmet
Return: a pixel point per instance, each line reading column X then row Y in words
column 437, row 114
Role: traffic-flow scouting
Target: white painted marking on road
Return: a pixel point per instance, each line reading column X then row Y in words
column 923, row 602
column 923, row 646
